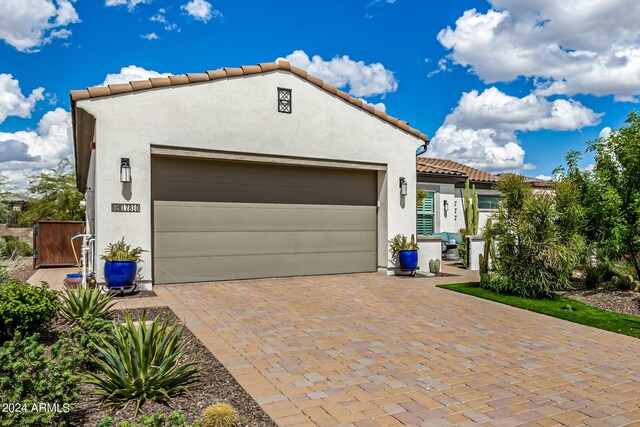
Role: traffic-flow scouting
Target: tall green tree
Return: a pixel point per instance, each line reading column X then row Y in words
column 55, row 195
column 612, row 192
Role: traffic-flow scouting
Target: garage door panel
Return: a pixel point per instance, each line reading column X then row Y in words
column 216, row 220
column 175, row 245
column 255, row 217
column 203, row 269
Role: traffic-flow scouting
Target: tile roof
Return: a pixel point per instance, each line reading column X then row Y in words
column 449, row 167
column 189, row 78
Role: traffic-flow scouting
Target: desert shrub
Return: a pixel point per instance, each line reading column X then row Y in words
column 496, row 283
column 534, row 252
column 144, row 363
column 25, row 308
column 16, row 247
column 219, row 415
column 596, row 275
column 82, row 303
column 4, row 274
column 176, row 419
column 30, row 377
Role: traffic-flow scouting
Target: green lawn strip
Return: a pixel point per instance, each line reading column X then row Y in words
column 559, row 307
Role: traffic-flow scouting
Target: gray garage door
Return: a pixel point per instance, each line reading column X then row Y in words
column 216, row 220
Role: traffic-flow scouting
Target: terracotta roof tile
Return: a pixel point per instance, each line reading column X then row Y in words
column 316, row 81
column 299, row 72
column 160, row 81
column 251, row 69
column 120, row 88
column 179, row 80
column 368, row 107
column 216, row 74
column 80, row 94
column 97, row 91
column 233, row 72
column 141, row 85
column 432, row 165
column 332, row 89
column 198, row 77
column 134, row 86
column 268, row 66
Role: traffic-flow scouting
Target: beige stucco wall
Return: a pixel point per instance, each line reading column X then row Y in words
column 239, row 115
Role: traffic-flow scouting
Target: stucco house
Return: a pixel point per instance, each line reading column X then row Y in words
column 444, row 180
column 250, row 172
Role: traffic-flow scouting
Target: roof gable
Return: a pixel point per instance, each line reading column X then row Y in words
column 190, row 78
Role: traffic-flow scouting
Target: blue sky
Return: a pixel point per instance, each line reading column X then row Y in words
column 500, row 85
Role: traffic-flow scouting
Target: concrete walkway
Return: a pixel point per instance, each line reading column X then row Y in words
column 369, row 350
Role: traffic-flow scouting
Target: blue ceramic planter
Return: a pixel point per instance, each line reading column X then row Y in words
column 408, row 259
column 120, row 274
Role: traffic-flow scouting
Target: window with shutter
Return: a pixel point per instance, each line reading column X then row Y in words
column 425, row 214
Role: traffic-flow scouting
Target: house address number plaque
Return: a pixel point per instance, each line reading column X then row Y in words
column 125, row 207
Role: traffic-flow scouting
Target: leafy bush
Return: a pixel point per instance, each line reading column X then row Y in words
column 534, row 251
column 88, row 332
column 16, row 247
column 219, row 415
column 29, row 377
column 143, row 364
column 4, row 274
column 496, row 283
column 121, row 251
column 82, row 303
column 176, row 419
column 594, row 276
column 25, row 308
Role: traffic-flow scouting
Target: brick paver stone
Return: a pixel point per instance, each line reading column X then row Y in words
column 369, row 349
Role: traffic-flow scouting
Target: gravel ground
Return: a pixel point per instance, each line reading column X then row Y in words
column 624, row 302
column 215, row 385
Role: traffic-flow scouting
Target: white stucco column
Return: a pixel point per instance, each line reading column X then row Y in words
column 475, row 247
column 430, row 248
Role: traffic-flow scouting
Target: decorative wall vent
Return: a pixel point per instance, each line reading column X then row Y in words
column 284, row 100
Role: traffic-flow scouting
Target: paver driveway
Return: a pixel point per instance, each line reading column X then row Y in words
column 369, row 350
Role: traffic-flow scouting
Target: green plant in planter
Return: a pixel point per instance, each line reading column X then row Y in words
column 145, row 363
column 25, row 308
column 121, row 251
column 82, row 303
column 401, row 243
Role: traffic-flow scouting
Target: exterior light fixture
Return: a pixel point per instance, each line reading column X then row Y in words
column 403, row 186
column 446, row 206
column 125, row 170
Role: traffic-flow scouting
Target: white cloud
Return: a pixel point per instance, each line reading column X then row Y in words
column 604, row 133
column 341, row 71
column 481, row 130
column 131, row 73
column 12, row 100
column 544, row 177
column 160, row 18
column 201, row 10
column 495, row 109
column 131, row 4
column 442, row 66
column 26, row 152
column 150, row 36
column 29, row 24
column 583, row 46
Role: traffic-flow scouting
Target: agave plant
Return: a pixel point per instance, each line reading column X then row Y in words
column 143, row 364
column 121, row 251
column 84, row 303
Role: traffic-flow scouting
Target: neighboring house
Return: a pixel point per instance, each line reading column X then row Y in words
column 258, row 171
column 13, row 204
column 443, row 210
